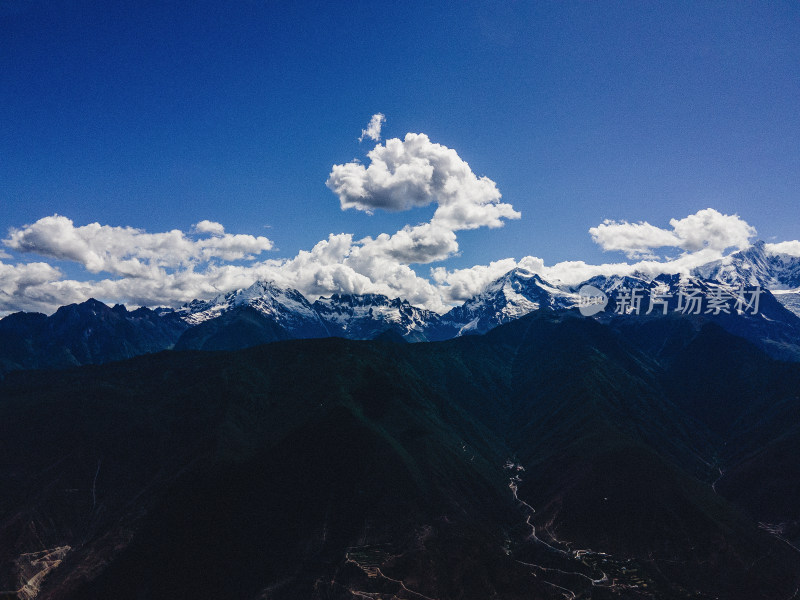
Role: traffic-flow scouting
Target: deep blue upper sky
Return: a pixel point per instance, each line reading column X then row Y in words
column 160, row 114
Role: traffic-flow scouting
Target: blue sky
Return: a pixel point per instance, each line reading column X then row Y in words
column 159, row 115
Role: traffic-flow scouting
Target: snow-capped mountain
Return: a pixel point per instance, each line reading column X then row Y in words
column 755, row 266
column 266, row 312
column 364, row 316
column 789, row 299
column 686, row 294
column 748, row 311
column 285, row 306
column 509, row 297
column 613, row 283
column 786, row 269
column 780, row 273
column 752, row 266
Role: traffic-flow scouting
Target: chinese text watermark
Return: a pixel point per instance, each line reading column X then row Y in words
column 686, row 300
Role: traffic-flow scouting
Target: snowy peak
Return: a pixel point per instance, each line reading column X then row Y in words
column 355, row 316
column 786, row 270
column 364, row 316
column 354, row 301
column 286, row 306
column 670, row 289
column 755, row 266
column 509, row 297
column 751, row 267
column 612, row 283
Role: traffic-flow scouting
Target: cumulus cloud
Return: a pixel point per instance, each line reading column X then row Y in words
column 709, row 228
column 206, row 226
column 574, row 272
column 373, row 130
column 401, row 174
column 146, row 268
column 337, row 264
column 16, row 277
column 412, row 172
column 461, row 284
column 791, row 248
column 634, row 239
column 23, row 281
column 424, row 243
column 706, row 228
column 127, row 251
column 170, row 268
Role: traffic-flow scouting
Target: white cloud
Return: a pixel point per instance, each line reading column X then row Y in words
column 791, row 248
column 148, row 268
column 373, row 130
column 126, row 251
column 168, row 269
column 18, row 281
column 420, row 244
column 342, row 265
column 634, row 239
column 206, row 226
column 571, row 273
column 707, row 228
column 416, row 172
column 461, row 284
column 403, row 174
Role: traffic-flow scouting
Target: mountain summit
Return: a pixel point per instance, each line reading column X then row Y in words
column 509, row 297
column 363, row 316
column 754, row 266
column 287, row 307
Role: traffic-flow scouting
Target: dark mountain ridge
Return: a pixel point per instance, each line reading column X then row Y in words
column 86, row 333
column 554, row 456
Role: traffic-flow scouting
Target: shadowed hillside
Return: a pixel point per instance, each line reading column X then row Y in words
column 550, row 457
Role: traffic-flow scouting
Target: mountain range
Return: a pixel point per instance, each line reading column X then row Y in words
column 92, row 333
